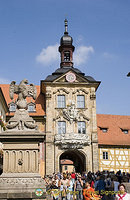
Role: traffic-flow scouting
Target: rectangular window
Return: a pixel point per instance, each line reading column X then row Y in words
column 61, row 101
column 61, row 127
column 81, row 127
column 105, row 155
column 80, row 101
column 66, row 167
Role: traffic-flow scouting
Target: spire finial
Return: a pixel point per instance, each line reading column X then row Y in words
column 66, row 26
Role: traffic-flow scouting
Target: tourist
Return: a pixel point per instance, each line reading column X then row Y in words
column 57, row 180
column 73, row 176
column 116, row 183
column 54, row 191
column 122, row 195
column 79, row 188
column 64, row 184
column 70, row 188
column 89, row 193
column 100, row 186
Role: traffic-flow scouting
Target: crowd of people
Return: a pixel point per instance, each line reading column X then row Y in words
column 87, row 186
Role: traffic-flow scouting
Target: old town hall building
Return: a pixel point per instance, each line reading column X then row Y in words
column 71, row 128
column 65, row 110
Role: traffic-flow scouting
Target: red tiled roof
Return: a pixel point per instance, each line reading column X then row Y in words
column 66, row 162
column 39, row 100
column 114, row 125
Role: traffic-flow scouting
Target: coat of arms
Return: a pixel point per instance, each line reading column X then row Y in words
column 71, row 113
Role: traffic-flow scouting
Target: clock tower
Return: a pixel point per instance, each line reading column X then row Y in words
column 71, row 127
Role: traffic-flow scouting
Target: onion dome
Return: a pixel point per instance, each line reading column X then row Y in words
column 66, row 39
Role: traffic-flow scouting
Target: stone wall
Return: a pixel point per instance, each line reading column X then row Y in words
column 87, row 114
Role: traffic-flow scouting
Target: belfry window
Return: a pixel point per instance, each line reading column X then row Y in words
column 81, row 127
column 66, row 56
column 61, row 101
column 61, row 127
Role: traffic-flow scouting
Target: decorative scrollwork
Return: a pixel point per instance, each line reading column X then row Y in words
column 61, row 89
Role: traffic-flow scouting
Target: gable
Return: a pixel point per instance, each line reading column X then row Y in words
column 70, row 77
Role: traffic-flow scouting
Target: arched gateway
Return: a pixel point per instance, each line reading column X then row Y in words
column 78, row 158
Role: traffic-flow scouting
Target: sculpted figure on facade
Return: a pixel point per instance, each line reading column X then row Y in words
column 71, row 113
column 21, row 119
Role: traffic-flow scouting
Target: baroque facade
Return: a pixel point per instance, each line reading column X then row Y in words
column 71, row 128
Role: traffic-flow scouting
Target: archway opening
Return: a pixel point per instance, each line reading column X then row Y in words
column 78, row 159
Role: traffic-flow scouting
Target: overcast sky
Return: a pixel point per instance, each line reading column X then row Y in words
column 30, row 32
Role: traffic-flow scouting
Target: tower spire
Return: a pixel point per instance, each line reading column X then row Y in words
column 66, row 48
column 66, row 26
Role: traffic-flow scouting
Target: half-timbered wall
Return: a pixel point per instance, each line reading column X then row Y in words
column 118, row 159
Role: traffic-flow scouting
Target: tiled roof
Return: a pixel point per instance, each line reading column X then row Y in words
column 63, row 70
column 5, row 103
column 39, row 100
column 66, row 162
column 114, row 124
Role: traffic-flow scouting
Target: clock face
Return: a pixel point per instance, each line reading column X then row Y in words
column 70, row 77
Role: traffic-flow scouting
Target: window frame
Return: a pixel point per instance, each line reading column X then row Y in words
column 12, row 105
column 80, row 103
column 81, row 127
column 32, row 105
column 61, row 103
column 60, row 128
column 105, row 155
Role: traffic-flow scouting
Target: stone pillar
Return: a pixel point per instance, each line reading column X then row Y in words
column 21, row 176
column 95, row 164
column 94, row 136
column 50, row 158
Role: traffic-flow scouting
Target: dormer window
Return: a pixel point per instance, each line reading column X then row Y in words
column 31, row 107
column 66, row 56
column 12, row 107
column 125, row 131
column 104, row 130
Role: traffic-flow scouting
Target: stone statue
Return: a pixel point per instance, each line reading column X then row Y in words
column 23, row 90
column 21, row 119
